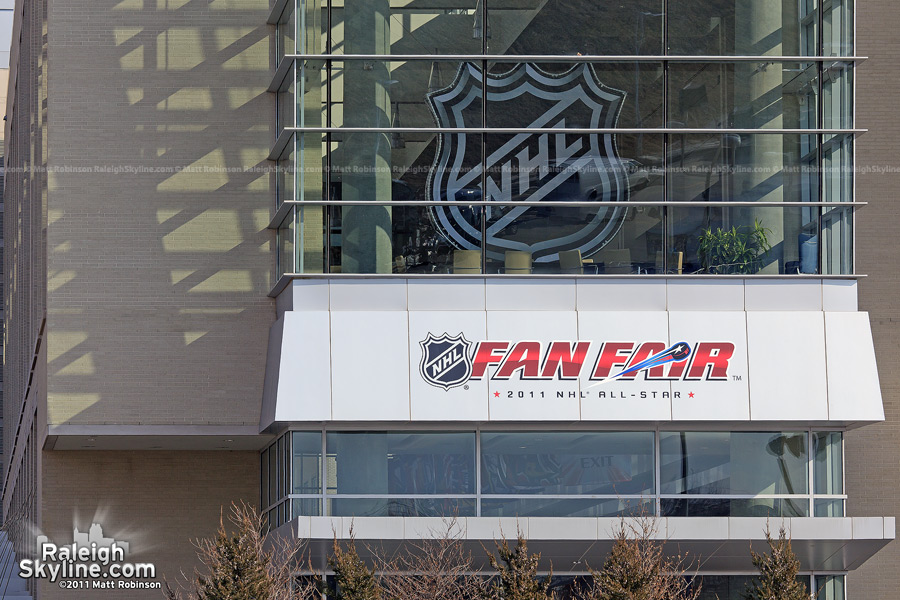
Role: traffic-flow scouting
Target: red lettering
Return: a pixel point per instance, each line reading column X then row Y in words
column 484, row 356
column 525, row 356
column 645, row 351
column 611, row 356
column 714, row 355
column 563, row 359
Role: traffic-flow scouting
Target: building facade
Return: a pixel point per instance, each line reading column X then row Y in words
column 536, row 265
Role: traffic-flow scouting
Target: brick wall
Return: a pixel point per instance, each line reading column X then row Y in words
column 157, row 501
column 873, row 453
column 157, row 306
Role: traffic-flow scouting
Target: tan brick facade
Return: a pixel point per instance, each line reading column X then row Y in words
column 873, row 453
column 156, row 501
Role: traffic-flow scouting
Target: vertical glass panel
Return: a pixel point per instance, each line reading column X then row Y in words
column 286, row 102
column 745, row 240
column 564, row 27
column 742, row 27
column 829, row 462
column 744, row 95
column 765, row 167
column 612, row 463
column 415, row 93
column 311, row 22
column 829, row 587
column 311, row 81
column 837, row 167
column 311, row 239
column 838, row 95
column 377, row 27
column 306, row 462
column 838, row 29
column 837, row 241
column 264, row 479
column 402, row 463
column 286, row 32
column 273, row 475
column 574, row 95
column 282, row 468
column 286, row 174
column 702, row 462
column 287, row 244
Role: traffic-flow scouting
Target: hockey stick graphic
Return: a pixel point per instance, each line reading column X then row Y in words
column 677, row 352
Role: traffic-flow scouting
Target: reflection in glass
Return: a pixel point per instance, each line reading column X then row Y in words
column 829, row 508
column 829, row 587
column 567, row 463
column 306, row 507
column 697, row 462
column 286, row 245
column 407, row 28
column 565, row 507
column 742, row 27
column 726, row 95
column 723, row 587
column 401, row 507
column 743, row 168
column 754, row 507
column 401, row 463
column 829, row 462
column 306, row 474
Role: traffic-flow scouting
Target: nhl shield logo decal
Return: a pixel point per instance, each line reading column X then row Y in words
column 446, row 361
column 535, row 167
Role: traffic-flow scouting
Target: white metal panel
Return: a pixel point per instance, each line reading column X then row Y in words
column 530, row 294
column 854, row 391
column 787, row 366
column 839, row 295
column 368, row 294
column 370, row 365
column 712, row 400
column 446, row 294
column 619, row 295
column 695, row 294
column 304, row 382
column 781, row 295
column 518, row 400
column 637, row 400
column 430, row 403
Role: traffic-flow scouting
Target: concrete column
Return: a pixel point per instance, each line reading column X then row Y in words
column 366, row 168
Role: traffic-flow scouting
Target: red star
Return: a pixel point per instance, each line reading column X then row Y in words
column 690, row 394
column 496, row 394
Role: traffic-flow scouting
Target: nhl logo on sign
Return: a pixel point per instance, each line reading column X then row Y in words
column 446, row 361
column 549, row 166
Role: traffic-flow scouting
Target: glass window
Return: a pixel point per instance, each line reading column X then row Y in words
column 402, row 463
column 829, row 462
column 376, row 27
column 829, row 587
column 306, row 461
column 613, row 463
column 273, row 476
column 565, row 507
column 695, row 462
column 748, row 240
column 264, row 479
column 734, row 507
column 765, row 167
column 741, row 27
column 402, row 507
column 287, row 244
column 743, row 95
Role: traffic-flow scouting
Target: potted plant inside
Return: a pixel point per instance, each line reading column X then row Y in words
column 735, row 251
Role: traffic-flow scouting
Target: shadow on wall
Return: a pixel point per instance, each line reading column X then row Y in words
column 159, row 257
